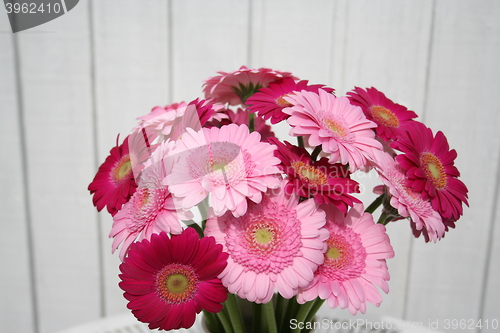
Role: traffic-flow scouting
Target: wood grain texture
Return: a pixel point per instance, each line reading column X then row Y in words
column 15, row 284
column 55, row 73
column 462, row 101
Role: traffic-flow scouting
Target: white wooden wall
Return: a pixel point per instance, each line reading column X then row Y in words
column 68, row 87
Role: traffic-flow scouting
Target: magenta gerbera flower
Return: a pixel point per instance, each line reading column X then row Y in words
column 235, row 87
column 424, row 219
column 429, row 165
column 354, row 263
column 230, row 163
column 391, row 118
column 269, row 102
column 151, row 209
column 114, row 183
column 167, row 281
column 341, row 128
column 325, row 182
column 276, row 245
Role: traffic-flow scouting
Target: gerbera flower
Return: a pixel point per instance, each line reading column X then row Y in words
column 276, row 245
column 114, row 183
column 409, row 203
column 162, row 119
column 341, row 128
column 429, row 165
column 327, row 183
column 354, row 263
column 235, row 87
column 167, row 281
column 151, row 209
column 269, row 101
column 390, row 117
column 228, row 162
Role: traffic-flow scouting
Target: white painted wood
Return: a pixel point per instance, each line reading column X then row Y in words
column 16, row 311
column 56, row 83
column 131, row 77
column 462, row 101
column 207, row 36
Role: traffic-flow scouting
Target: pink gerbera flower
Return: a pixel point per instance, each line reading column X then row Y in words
column 354, row 263
column 167, row 281
column 228, row 162
column 277, row 245
column 327, row 183
column 152, row 208
column 409, row 203
column 235, row 87
column 269, row 101
column 341, row 128
column 390, row 117
column 429, row 165
column 114, row 183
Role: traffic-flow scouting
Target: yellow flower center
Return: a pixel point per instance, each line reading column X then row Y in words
column 333, row 253
column 263, row 236
column 176, row 283
column 335, row 127
column 384, row 116
column 123, row 169
column 309, row 173
column 434, row 170
column 280, row 101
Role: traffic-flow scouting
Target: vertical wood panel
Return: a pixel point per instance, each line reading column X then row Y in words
column 446, row 280
column 131, row 77
column 16, row 311
column 55, row 72
column 208, row 36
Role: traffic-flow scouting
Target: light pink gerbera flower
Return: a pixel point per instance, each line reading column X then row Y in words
column 152, row 208
column 276, row 245
column 354, row 263
column 391, row 118
column 167, row 281
column 429, row 166
column 114, row 182
column 230, row 163
column 235, row 87
column 341, row 128
column 409, row 203
column 269, row 101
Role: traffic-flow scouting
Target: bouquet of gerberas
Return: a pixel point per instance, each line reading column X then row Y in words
column 212, row 212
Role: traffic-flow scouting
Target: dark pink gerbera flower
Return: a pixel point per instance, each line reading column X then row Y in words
column 235, row 87
column 114, row 183
column 390, row 117
column 269, row 101
column 327, row 183
column 429, row 165
column 167, row 281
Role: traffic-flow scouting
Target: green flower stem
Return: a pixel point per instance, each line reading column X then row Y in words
column 375, row 204
column 257, row 318
column 318, row 302
column 251, row 121
column 315, row 153
column 291, row 311
column 224, row 319
column 268, row 311
column 196, row 227
column 234, row 313
column 280, row 310
column 213, row 324
column 302, row 314
column 300, row 141
column 385, row 218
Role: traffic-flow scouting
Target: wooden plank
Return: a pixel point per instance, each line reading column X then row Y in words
column 56, row 81
column 15, row 284
column 208, row 36
column 446, row 278
column 131, row 77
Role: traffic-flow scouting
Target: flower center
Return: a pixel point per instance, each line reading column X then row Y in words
column 384, row 116
column 122, row 169
column 336, row 127
column 176, row 283
column 264, row 236
column 280, row 101
column 345, row 257
column 146, row 204
column 309, row 173
column 434, row 170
